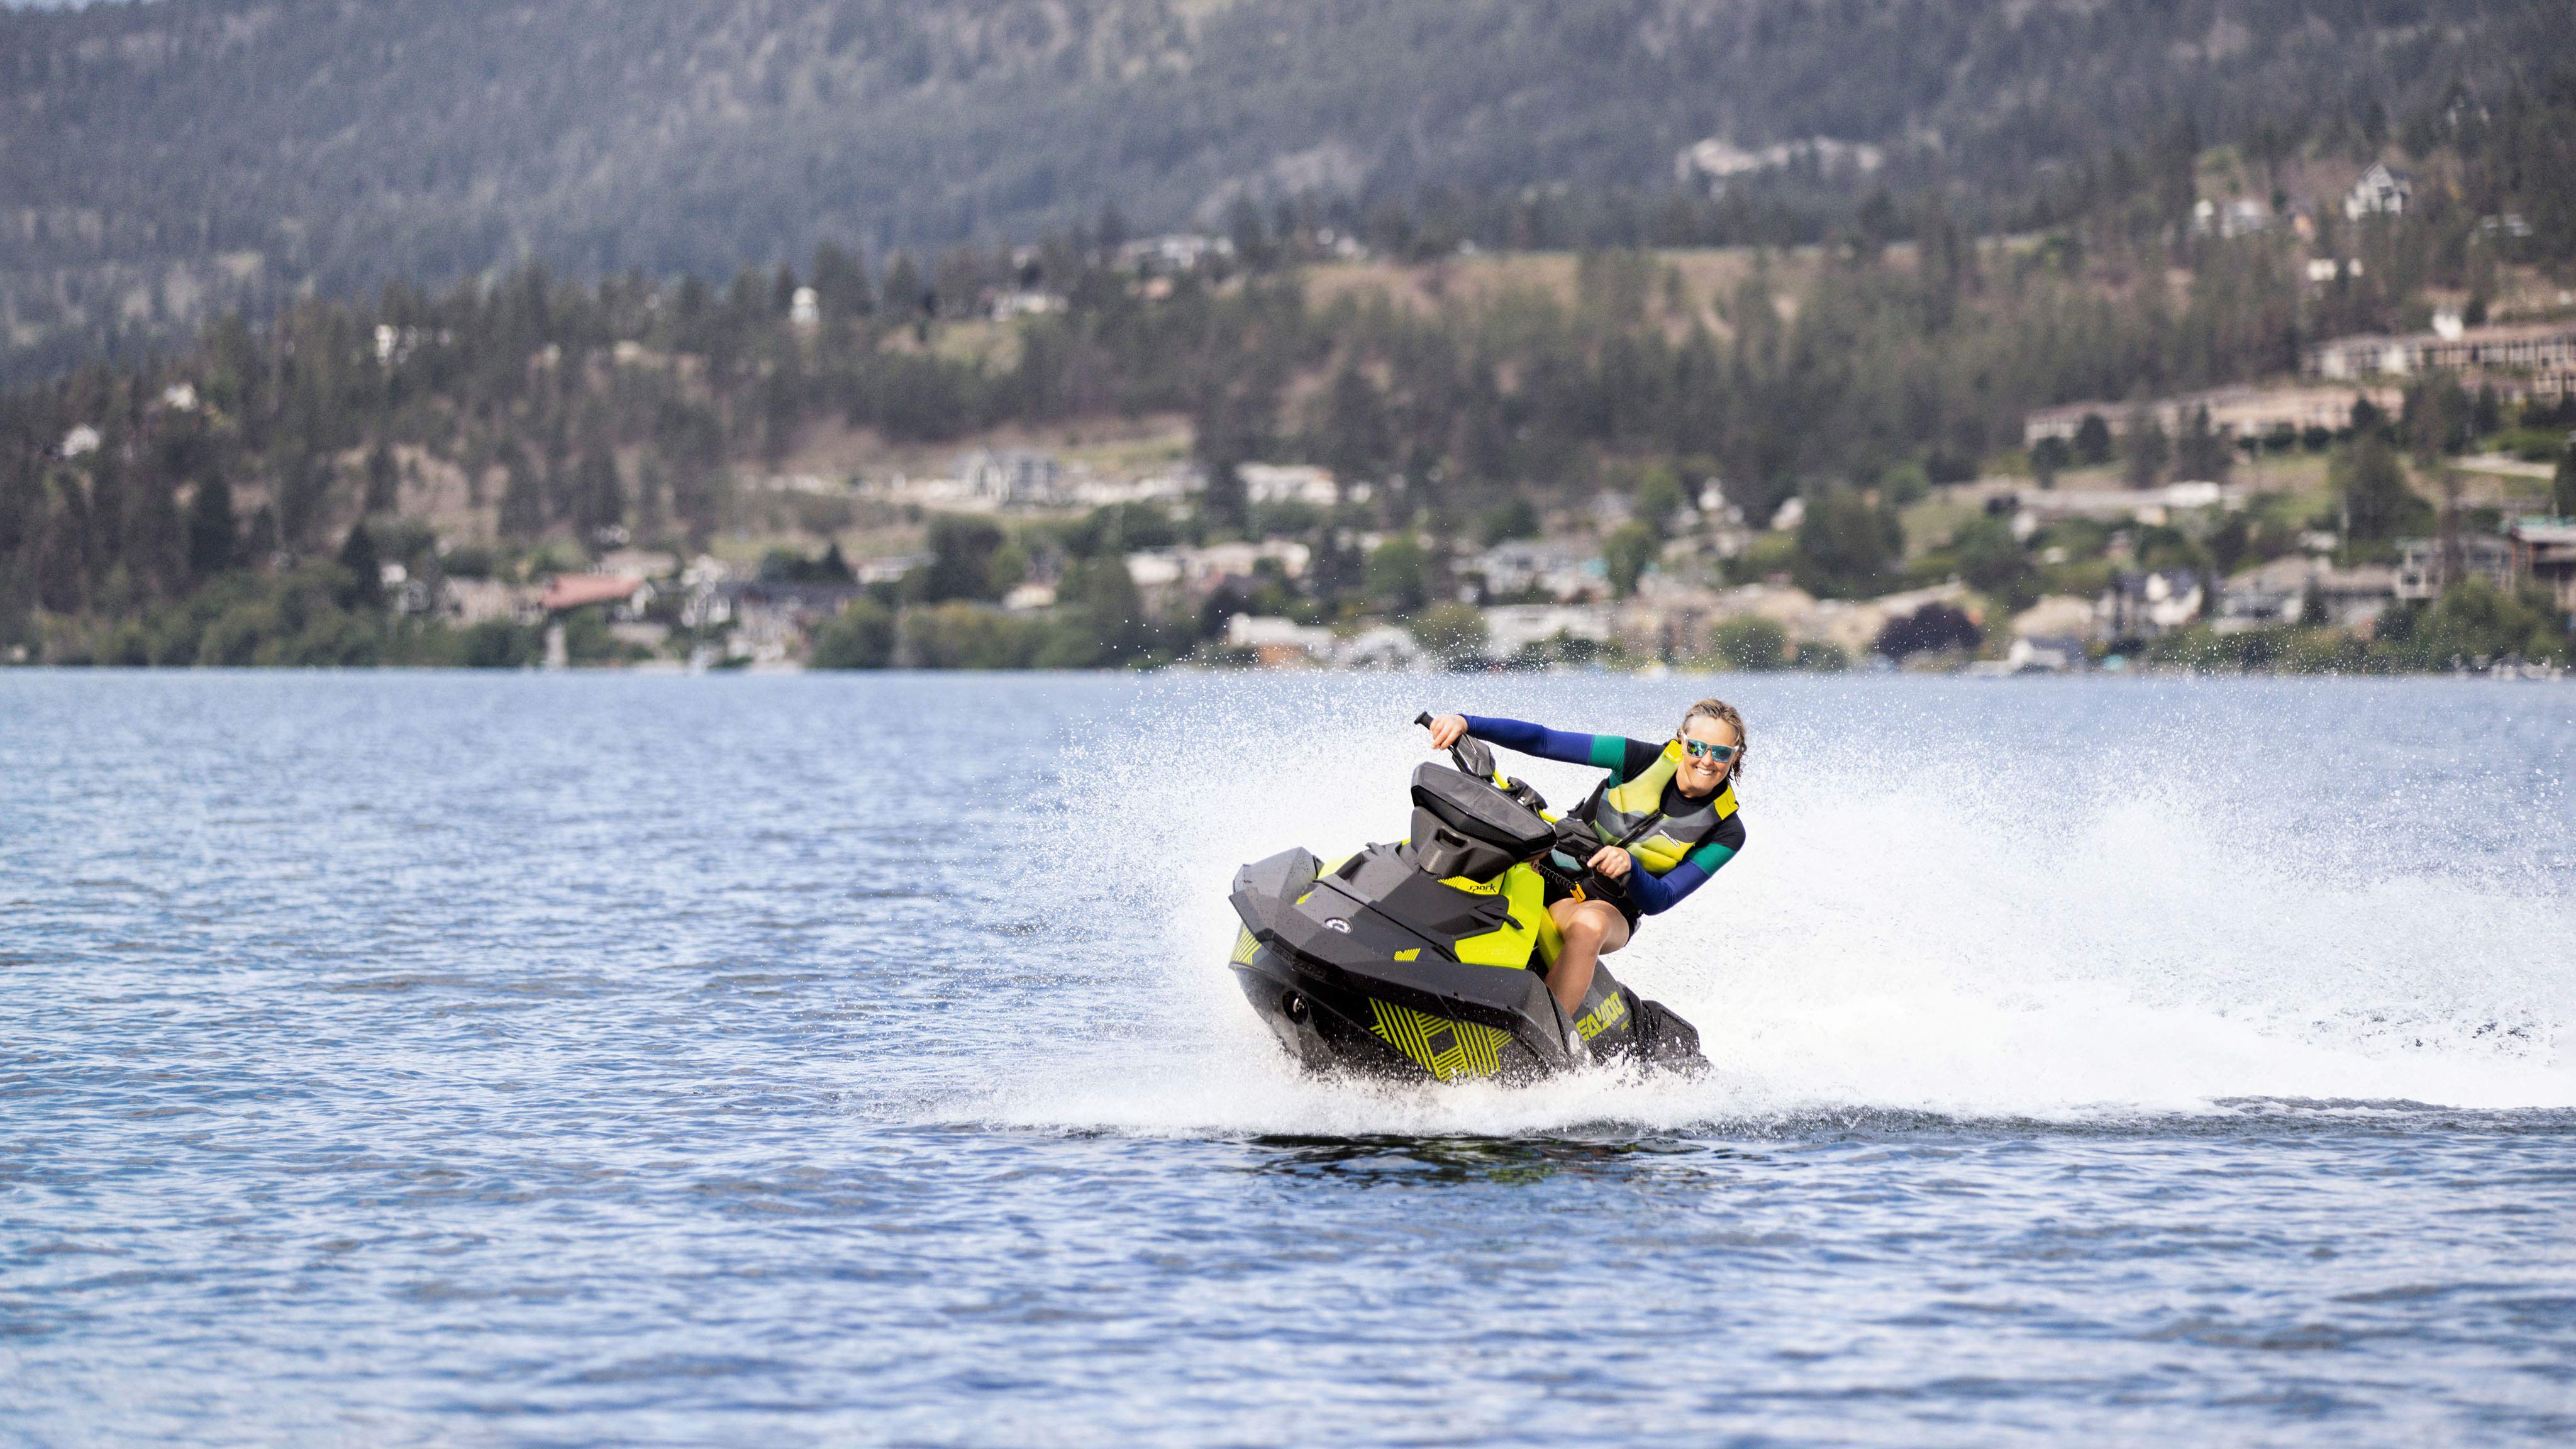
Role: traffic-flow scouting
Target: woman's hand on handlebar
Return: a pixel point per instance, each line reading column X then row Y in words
column 1611, row 861
column 1447, row 730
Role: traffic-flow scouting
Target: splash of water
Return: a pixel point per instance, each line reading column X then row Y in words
column 2026, row 927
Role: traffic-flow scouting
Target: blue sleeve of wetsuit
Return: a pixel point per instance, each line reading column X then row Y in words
column 1548, row 744
column 1656, row 894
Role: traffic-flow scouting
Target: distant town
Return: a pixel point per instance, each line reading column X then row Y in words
column 1280, row 448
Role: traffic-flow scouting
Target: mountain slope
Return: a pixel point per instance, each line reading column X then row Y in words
column 161, row 160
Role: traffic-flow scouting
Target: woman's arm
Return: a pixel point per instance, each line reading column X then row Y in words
column 1602, row 752
column 1656, row 894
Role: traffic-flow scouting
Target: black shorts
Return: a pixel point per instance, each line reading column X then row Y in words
column 1614, row 896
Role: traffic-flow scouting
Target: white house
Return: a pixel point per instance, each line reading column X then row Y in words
column 1562, row 570
column 1011, row 478
column 1382, row 647
column 2380, row 191
column 1511, row 627
column 1288, row 483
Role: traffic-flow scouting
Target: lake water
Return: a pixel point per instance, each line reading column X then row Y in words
column 413, row 1059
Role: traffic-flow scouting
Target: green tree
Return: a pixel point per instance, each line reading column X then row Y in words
column 214, row 537
column 1991, row 561
column 523, row 497
column 2203, row 453
column 2370, row 488
column 1399, row 573
column 2147, row 450
column 1848, row 545
column 961, row 635
column 599, row 499
column 1514, row 517
column 2435, row 419
column 384, row 481
column 861, row 636
column 1114, row 611
column 2476, row 620
column 1358, row 438
column 364, row 588
column 2093, row 441
column 1930, row 629
column 1749, row 642
column 500, row 644
column 962, row 552
column 2562, row 486
column 1628, row 552
column 1454, row 633
column 2048, row 458
column 1657, row 499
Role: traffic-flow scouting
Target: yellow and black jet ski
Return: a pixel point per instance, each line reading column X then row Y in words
column 1428, row 956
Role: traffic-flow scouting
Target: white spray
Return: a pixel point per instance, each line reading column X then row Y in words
column 1978, row 904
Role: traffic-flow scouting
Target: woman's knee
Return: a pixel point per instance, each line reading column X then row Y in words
column 1585, row 922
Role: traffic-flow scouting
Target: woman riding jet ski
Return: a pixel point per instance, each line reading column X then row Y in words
column 1471, row 949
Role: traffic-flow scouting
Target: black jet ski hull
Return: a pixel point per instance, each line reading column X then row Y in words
column 1349, row 988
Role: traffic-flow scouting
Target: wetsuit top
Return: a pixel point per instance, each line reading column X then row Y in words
column 1626, row 759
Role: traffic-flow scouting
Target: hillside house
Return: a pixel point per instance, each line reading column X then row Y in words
column 2423, row 573
column 1551, row 566
column 2243, row 216
column 1278, row 643
column 1011, row 478
column 2277, row 593
column 2139, row 606
column 2381, row 191
column 1195, row 573
column 2235, row 412
column 1383, row 647
column 1510, row 628
column 2535, row 359
column 1288, row 483
column 2543, row 551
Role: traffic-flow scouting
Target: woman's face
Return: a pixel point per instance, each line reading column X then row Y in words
column 1702, row 774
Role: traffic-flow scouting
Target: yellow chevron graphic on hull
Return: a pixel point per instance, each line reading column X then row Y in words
column 1449, row 1050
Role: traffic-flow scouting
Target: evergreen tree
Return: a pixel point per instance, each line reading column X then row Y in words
column 2202, row 453
column 2093, row 441
column 1848, row 545
column 841, row 284
column 523, row 501
column 214, row 536
column 365, row 587
column 1114, row 610
column 2370, row 487
column 861, row 636
column 2147, row 449
column 599, row 499
column 384, row 481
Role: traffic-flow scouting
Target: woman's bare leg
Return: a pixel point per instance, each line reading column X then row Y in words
column 1592, row 929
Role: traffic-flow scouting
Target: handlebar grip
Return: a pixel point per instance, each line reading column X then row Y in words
column 1423, row 719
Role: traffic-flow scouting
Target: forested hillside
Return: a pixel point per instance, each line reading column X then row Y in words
column 163, row 162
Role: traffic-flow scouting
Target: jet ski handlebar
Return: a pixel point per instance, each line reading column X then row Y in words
column 1470, row 754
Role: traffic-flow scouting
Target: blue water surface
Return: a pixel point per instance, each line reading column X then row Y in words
column 426, row 1059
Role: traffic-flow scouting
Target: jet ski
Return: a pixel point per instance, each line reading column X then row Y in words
column 1427, row 957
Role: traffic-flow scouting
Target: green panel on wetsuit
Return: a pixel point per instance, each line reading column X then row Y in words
column 1710, row 856
column 1610, row 752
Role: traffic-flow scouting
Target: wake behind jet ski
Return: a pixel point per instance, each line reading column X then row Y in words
column 1430, row 956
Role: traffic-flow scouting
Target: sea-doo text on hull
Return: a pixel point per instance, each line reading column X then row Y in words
column 1428, row 956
